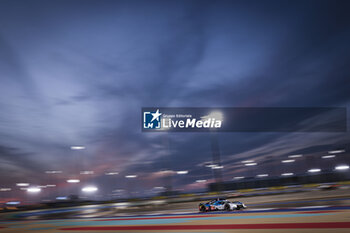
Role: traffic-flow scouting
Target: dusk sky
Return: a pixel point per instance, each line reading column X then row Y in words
column 79, row 72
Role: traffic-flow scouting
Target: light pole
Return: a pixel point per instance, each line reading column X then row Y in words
column 111, row 180
column 181, row 173
column 51, row 179
column 90, row 189
column 216, row 157
column 76, row 169
column 3, row 192
column 34, row 190
column 128, row 183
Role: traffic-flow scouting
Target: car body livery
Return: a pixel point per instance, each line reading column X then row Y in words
column 221, row 204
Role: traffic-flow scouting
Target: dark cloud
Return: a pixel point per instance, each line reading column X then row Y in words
column 78, row 73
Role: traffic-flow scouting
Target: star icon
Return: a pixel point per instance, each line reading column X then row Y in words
column 156, row 115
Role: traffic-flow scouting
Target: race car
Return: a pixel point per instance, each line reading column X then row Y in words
column 221, row 204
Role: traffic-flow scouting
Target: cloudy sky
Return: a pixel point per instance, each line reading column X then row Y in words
column 78, row 73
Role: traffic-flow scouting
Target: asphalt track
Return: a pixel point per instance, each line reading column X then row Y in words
column 300, row 215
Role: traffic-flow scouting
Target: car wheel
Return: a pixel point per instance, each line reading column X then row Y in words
column 227, row 208
column 202, row 209
column 238, row 208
